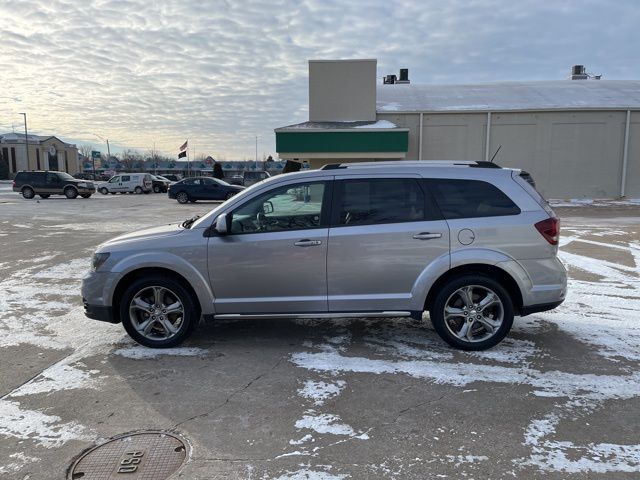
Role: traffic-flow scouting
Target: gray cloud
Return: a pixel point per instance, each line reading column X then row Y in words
column 221, row 72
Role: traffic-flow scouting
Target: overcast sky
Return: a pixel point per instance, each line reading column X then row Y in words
column 221, row 72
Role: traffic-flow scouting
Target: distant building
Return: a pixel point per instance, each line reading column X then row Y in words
column 578, row 137
column 45, row 153
column 194, row 168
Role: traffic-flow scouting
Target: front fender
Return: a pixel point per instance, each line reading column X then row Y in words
column 172, row 262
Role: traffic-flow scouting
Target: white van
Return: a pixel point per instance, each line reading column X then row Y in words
column 127, row 183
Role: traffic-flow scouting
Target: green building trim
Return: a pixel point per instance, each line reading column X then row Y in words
column 396, row 140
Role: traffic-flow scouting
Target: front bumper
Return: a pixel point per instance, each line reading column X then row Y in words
column 99, row 312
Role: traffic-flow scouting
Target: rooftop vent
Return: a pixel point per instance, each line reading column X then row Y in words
column 392, row 79
column 579, row 72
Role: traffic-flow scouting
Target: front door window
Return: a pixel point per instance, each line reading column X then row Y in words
column 293, row 207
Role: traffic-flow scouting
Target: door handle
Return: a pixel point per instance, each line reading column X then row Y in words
column 308, row 243
column 427, row 236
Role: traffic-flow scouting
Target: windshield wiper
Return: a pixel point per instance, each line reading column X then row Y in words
column 189, row 222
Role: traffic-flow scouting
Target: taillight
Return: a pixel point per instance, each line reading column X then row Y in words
column 549, row 229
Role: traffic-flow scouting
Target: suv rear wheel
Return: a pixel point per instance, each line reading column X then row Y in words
column 28, row 193
column 70, row 192
column 158, row 312
column 472, row 312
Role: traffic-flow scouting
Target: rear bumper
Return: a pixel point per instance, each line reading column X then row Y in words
column 540, row 307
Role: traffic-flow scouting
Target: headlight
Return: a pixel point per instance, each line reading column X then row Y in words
column 98, row 260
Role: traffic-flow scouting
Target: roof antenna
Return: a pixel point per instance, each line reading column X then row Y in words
column 494, row 155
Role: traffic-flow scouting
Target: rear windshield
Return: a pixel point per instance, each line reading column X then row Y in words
column 470, row 199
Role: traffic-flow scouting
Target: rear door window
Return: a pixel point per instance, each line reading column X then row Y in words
column 470, row 198
column 372, row 201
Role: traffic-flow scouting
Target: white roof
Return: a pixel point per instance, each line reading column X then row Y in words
column 33, row 139
column 553, row 95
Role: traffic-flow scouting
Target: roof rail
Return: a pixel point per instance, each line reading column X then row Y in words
column 413, row 163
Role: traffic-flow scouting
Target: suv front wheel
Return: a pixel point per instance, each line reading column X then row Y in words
column 472, row 312
column 158, row 312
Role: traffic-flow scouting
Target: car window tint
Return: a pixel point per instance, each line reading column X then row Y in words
column 292, row 207
column 380, row 200
column 470, row 199
column 52, row 178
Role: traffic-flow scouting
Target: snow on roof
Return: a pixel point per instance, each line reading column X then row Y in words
column 553, row 95
column 381, row 124
column 19, row 137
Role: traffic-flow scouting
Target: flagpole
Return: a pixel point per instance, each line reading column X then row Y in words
column 188, row 162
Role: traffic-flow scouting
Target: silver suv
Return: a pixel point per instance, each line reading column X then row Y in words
column 471, row 243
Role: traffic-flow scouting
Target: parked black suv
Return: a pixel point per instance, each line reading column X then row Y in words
column 47, row 183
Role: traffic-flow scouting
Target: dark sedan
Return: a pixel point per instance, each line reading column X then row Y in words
column 202, row 188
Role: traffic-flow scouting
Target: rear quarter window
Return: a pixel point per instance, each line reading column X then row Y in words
column 470, row 199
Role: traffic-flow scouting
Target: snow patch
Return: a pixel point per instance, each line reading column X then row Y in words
column 57, row 378
column 320, row 391
column 46, row 430
column 145, row 353
column 327, row 423
column 306, row 474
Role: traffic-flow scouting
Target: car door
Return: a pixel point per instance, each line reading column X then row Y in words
column 211, row 190
column 125, row 184
column 114, row 184
column 384, row 233
column 52, row 184
column 274, row 258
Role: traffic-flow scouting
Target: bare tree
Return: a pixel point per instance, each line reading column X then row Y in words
column 86, row 150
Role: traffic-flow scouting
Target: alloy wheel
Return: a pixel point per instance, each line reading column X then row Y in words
column 156, row 313
column 473, row 313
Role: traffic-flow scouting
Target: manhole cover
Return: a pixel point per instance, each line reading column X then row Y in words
column 138, row 456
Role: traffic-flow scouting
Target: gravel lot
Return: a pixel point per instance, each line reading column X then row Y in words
column 559, row 398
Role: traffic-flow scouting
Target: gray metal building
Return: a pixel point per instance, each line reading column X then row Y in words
column 578, row 138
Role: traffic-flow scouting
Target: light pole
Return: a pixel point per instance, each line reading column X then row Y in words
column 26, row 138
column 256, row 152
column 104, row 140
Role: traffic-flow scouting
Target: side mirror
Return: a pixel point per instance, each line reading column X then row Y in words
column 222, row 224
column 267, row 208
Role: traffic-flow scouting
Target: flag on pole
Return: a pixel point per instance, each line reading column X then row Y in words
column 182, row 154
column 184, row 146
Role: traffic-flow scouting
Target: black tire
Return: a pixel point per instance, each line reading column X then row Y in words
column 182, row 197
column 104, row 191
column 480, row 283
column 137, row 190
column 70, row 193
column 28, row 193
column 189, row 321
column 85, row 195
column 44, row 195
column 156, row 189
column 112, row 193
